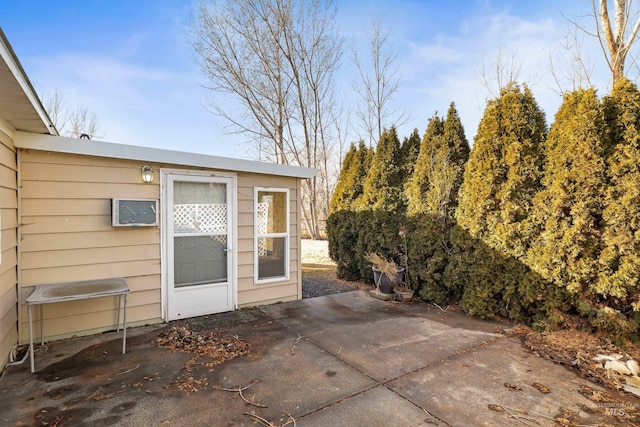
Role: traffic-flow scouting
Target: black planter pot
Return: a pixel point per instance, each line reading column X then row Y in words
column 383, row 283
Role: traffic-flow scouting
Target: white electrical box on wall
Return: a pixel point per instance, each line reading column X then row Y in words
column 134, row 212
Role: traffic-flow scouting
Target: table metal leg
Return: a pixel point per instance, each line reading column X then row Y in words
column 124, row 325
column 41, row 326
column 118, row 318
column 33, row 367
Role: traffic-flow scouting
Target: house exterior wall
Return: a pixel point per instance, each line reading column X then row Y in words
column 8, row 243
column 266, row 293
column 66, row 235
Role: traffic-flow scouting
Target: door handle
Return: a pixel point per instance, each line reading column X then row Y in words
column 227, row 250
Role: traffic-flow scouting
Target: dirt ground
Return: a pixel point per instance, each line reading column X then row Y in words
column 584, row 352
column 319, row 271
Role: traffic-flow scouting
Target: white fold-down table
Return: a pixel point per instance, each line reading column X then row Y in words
column 72, row 291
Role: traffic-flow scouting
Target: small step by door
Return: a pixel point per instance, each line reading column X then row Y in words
column 199, row 262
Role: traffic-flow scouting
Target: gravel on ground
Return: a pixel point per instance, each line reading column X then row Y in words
column 319, row 271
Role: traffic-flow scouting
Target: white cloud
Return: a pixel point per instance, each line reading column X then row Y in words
column 446, row 68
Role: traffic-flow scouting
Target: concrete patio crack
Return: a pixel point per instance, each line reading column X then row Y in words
column 298, row 336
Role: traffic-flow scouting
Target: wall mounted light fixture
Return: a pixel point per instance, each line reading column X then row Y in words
column 147, row 173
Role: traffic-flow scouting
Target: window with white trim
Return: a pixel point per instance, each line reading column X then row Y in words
column 271, row 245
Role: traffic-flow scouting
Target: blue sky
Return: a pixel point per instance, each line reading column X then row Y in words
column 130, row 64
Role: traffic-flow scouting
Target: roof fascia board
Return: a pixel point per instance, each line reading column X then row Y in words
column 12, row 61
column 59, row 144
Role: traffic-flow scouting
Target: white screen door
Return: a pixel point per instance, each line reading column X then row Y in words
column 199, row 235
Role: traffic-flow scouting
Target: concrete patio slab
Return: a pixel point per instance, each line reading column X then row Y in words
column 383, row 340
column 338, row 360
column 378, row 407
column 461, row 388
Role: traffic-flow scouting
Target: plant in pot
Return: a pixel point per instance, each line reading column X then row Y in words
column 386, row 274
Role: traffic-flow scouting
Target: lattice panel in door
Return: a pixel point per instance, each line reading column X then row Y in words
column 263, row 219
column 200, row 218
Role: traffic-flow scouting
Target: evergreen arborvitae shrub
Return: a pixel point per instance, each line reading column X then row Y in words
column 569, row 208
column 418, row 184
column 494, row 227
column 409, row 151
column 432, row 196
column 342, row 231
column 427, row 243
column 503, row 172
column 383, row 186
column 341, row 198
column 619, row 264
column 381, row 209
column 351, row 179
column 379, row 232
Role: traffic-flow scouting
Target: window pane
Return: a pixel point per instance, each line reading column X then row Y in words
column 200, row 207
column 200, row 260
column 271, row 257
column 272, row 212
column 199, row 192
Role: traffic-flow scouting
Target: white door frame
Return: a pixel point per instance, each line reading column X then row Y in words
column 164, row 231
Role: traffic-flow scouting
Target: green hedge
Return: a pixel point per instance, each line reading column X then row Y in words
column 545, row 225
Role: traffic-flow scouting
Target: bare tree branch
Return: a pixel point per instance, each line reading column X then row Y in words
column 276, row 60
column 73, row 123
column 378, row 85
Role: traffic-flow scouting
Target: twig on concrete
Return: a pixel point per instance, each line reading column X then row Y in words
column 296, row 343
column 260, row 419
column 267, row 423
column 236, row 390
column 129, row 370
column 56, row 421
column 522, row 418
column 239, row 390
column 108, row 395
column 291, row 420
column 444, row 310
column 258, row 405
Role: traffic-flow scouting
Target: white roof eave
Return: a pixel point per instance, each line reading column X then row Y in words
column 59, row 144
column 24, row 109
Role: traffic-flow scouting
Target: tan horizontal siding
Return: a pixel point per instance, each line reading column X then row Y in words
column 8, row 198
column 7, row 153
column 65, row 224
column 8, row 334
column 8, row 304
column 270, row 295
column 104, row 270
column 87, row 190
column 53, row 158
column 96, row 305
column 9, row 235
column 9, row 219
column 8, row 280
column 89, row 239
column 126, row 173
column 8, row 247
column 36, row 207
column 91, row 323
column 8, row 177
column 73, row 257
column 66, row 235
column 250, row 293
